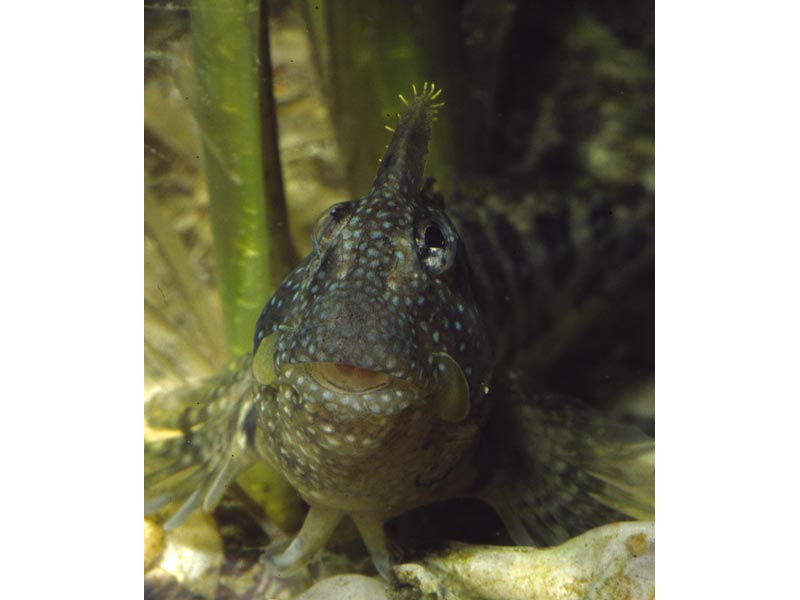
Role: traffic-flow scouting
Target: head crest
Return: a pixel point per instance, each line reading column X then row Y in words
column 404, row 159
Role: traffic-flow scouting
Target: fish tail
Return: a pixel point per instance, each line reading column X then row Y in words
column 563, row 468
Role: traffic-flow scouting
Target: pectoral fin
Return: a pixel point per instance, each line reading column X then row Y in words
column 560, row 467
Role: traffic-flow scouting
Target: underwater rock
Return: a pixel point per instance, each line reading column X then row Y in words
column 609, row 562
column 347, row 587
column 153, row 543
column 192, row 557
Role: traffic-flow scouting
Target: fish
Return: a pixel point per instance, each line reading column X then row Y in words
column 392, row 368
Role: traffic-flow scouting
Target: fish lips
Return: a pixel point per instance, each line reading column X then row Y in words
column 343, row 388
column 378, row 393
column 356, row 388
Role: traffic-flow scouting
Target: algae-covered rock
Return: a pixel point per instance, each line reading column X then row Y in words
column 192, row 556
column 347, row 587
column 606, row 563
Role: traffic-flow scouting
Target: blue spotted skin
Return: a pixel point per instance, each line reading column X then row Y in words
column 361, row 351
column 385, row 289
column 365, row 298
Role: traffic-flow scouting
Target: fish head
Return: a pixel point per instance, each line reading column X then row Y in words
column 380, row 315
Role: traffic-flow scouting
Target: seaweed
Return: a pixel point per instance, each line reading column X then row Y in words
column 236, row 113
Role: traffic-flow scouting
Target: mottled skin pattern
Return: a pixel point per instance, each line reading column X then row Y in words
column 372, row 376
column 386, row 290
column 374, row 295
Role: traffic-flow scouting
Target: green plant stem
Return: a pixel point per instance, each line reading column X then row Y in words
column 248, row 212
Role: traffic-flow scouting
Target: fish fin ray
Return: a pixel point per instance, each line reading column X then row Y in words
column 563, row 468
column 210, row 449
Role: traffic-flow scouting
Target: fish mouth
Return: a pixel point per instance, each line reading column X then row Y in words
column 366, row 390
column 345, row 378
column 448, row 397
column 349, row 391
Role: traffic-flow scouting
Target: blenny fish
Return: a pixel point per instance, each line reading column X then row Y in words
column 386, row 370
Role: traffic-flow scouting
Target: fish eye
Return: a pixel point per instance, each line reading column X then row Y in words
column 337, row 211
column 436, row 243
column 434, row 238
column 328, row 224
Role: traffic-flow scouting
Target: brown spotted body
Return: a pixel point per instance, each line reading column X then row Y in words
column 377, row 464
column 375, row 375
